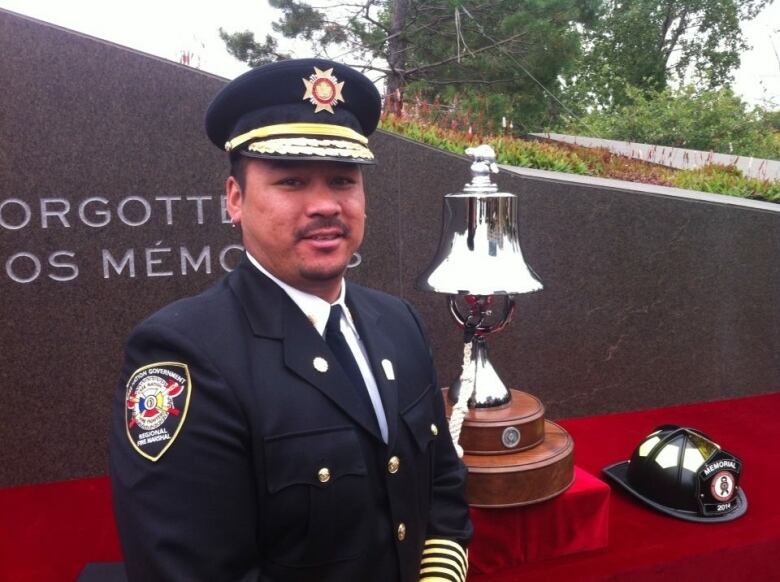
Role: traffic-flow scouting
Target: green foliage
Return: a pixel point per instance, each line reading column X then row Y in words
column 727, row 180
column 300, row 20
column 772, row 120
column 510, row 151
column 507, row 50
column 244, row 47
column 647, row 43
column 708, row 120
column 593, row 162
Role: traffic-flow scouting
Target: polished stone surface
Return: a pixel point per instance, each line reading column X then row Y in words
column 82, row 119
column 652, row 297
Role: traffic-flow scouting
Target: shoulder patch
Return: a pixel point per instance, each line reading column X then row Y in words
column 157, row 399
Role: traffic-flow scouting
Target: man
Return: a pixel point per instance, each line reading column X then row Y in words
column 286, row 425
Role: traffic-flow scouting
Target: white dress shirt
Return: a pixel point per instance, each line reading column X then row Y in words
column 317, row 310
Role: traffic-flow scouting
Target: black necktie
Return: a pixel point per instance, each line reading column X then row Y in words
column 338, row 345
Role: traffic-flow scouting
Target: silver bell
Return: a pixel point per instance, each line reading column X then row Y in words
column 479, row 257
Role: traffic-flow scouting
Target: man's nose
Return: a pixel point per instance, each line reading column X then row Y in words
column 323, row 200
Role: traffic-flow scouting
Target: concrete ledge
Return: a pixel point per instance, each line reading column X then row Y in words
column 680, row 158
column 649, row 189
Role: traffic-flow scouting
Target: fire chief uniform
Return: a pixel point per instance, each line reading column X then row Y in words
column 267, row 467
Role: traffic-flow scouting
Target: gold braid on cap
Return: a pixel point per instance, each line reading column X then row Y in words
column 311, row 147
column 303, row 129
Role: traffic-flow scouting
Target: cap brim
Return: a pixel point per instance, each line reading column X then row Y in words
column 619, row 474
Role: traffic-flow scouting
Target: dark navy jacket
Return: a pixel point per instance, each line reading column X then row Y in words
column 239, row 494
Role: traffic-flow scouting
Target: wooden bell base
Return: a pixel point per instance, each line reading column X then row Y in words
column 514, row 456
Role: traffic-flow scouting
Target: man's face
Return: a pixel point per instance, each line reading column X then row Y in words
column 301, row 220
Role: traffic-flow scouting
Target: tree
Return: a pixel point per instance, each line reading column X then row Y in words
column 244, row 47
column 511, row 57
column 648, row 43
column 453, row 49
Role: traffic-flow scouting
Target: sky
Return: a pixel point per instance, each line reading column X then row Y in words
column 167, row 28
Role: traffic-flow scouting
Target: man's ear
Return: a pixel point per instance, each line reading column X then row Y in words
column 233, row 198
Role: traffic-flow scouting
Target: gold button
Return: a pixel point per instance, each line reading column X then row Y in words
column 324, row 475
column 393, row 464
column 401, row 532
column 434, row 430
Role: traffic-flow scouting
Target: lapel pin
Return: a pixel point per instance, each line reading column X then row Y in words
column 387, row 365
column 320, row 364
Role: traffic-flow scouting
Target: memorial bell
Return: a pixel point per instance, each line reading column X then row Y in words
column 479, row 257
column 514, row 455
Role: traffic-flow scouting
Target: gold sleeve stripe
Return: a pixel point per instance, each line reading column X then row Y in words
column 427, row 574
column 454, row 565
column 444, row 559
column 451, row 551
column 445, row 542
column 454, row 554
column 327, row 129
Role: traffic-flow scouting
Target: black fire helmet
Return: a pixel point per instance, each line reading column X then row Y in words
column 683, row 473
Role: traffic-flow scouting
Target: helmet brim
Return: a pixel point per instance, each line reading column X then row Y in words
column 618, row 473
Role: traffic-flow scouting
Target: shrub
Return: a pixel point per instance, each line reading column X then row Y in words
column 717, row 121
column 726, row 180
column 574, row 159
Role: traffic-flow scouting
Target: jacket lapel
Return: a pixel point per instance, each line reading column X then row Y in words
column 260, row 298
column 271, row 313
column 302, row 348
column 381, row 355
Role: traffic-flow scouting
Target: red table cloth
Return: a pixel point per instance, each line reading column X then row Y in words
column 575, row 521
column 49, row 532
column 645, row 545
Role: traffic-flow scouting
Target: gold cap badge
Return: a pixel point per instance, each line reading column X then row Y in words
column 323, row 90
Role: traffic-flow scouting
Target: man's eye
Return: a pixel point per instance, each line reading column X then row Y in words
column 289, row 182
column 342, row 181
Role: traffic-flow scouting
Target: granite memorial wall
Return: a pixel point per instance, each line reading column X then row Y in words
column 110, row 207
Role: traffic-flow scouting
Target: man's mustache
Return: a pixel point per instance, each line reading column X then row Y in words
column 322, row 223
